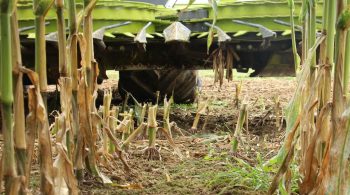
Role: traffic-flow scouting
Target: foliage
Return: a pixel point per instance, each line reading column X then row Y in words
column 214, row 6
column 318, row 139
column 240, row 175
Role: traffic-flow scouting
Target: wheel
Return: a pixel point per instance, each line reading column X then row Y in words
column 144, row 84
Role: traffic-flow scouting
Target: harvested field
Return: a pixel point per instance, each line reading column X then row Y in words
column 207, row 154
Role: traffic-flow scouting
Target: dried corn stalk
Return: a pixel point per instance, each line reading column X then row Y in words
column 113, row 115
column 166, row 130
column 223, row 58
column 324, row 152
column 107, row 98
column 87, row 90
column 18, row 104
column 202, row 106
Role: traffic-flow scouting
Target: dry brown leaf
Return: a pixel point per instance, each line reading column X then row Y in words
column 135, row 186
column 312, row 161
column 42, row 127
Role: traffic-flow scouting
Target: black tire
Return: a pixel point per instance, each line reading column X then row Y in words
column 144, row 84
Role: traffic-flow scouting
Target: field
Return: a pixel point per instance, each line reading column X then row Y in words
column 65, row 128
column 208, row 165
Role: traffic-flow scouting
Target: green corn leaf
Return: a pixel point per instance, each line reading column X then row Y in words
column 214, row 6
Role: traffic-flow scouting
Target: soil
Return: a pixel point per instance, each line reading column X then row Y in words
column 207, row 152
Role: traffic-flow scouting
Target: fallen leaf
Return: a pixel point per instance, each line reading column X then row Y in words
column 134, row 186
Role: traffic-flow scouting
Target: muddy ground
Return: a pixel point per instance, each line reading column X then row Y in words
column 208, row 165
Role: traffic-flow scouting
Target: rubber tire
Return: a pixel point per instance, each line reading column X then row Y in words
column 144, row 84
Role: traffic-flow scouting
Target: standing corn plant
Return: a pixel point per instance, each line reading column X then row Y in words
column 65, row 180
column 324, row 142
column 6, row 98
column 19, row 115
column 85, row 99
column 87, row 93
column 296, row 56
column 41, row 7
column 72, row 63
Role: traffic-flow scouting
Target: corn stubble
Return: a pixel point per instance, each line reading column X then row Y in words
column 318, row 125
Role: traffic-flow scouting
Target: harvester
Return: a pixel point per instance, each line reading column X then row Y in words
column 159, row 49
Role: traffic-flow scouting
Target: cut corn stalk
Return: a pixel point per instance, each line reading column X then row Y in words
column 151, row 152
column 166, row 130
column 207, row 111
column 118, row 149
column 239, row 126
column 109, row 132
column 141, row 118
column 166, row 114
column 123, row 125
column 113, row 125
column 200, row 111
column 127, row 129
column 134, row 134
column 107, row 98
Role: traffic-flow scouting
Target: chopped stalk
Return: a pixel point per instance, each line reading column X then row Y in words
column 133, row 135
column 200, row 110
column 239, row 126
column 151, row 152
